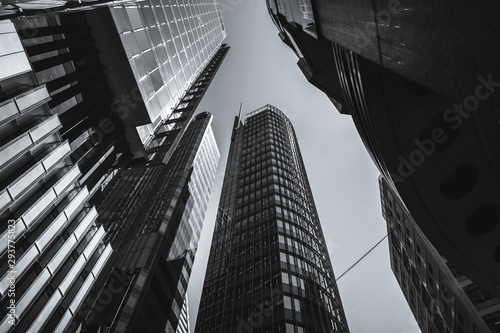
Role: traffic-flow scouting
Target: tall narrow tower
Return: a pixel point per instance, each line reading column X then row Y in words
column 269, row 269
column 153, row 216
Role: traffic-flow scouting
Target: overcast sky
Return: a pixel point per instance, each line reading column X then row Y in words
column 260, row 69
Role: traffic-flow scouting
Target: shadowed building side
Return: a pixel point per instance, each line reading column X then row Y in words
column 422, row 87
column 61, row 144
column 441, row 298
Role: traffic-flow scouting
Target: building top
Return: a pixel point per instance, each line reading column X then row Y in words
column 267, row 107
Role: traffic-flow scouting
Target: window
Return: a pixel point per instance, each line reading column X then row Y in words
column 288, row 304
column 296, row 304
column 477, row 295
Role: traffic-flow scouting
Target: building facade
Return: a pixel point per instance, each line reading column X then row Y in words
column 429, row 124
column 184, row 326
column 152, row 216
column 144, row 55
column 170, row 131
column 441, row 298
column 268, row 269
column 163, row 46
column 54, row 164
column 66, row 142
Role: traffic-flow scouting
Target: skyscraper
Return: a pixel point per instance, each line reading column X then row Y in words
column 66, row 143
column 143, row 57
column 152, row 216
column 441, row 297
column 56, row 158
column 161, row 47
column 430, row 124
column 268, row 269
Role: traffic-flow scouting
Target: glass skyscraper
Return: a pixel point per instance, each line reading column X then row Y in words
column 440, row 296
column 60, row 146
column 269, row 268
column 152, row 215
column 167, row 44
column 67, row 141
column 155, row 50
column 127, row 263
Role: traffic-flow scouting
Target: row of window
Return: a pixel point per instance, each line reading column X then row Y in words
column 291, row 279
column 311, row 262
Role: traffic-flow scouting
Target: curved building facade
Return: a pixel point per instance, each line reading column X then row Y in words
column 441, row 155
column 423, row 90
column 269, row 269
column 441, row 297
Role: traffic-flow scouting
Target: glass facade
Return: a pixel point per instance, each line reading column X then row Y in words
column 441, row 297
column 55, row 158
column 152, row 216
column 64, row 150
column 13, row 59
column 167, row 44
column 204, row 168
column 299, row 11
column 168, row 133
column 184, row 326
column 269, row 269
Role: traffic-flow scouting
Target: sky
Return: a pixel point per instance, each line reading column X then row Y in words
column 260, row 69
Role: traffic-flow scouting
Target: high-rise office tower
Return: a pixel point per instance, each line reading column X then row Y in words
column 441, row 298
column 269, row 268
column 152, row 216
column 126, row 266
column 65, row 139
column 162, row 47
column 145, row 54
column 425, row 102
column 56, row 156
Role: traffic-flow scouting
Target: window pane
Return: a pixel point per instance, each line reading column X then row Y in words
column 297, row 304
column 288, row 303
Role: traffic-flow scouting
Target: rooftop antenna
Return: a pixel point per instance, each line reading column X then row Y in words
column 239, row 116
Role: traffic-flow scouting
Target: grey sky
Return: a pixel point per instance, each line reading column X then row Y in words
column 260, row 69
